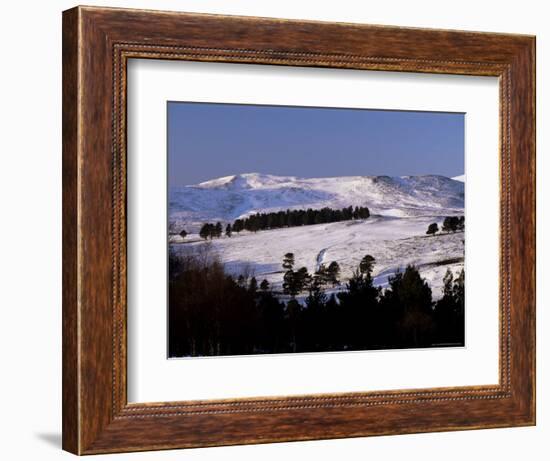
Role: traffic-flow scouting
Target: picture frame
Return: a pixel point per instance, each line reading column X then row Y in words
column 97, row 44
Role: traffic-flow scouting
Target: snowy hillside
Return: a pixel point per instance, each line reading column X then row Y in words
column 394, row 243
column 228, row 198
column 395, row 234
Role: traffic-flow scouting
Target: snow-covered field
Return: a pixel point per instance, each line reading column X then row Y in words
column 395, row 234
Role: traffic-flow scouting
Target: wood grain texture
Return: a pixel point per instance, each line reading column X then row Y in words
column 70, row 384
column 97, row 42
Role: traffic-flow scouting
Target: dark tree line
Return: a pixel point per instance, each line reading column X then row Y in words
column 209, row 230
column 292, row 218
column 450, row 224
column 279, row 219
column 210, row 313
column 453, row 224
column 449, row 310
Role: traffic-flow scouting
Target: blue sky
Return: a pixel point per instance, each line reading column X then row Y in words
column 206, row 141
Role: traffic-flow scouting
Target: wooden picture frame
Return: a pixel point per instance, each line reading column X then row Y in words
column 97, row 43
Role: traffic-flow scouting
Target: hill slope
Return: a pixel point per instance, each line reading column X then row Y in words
column 395, row 234
column 231, row 197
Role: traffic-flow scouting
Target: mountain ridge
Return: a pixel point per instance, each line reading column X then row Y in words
column 230, row 197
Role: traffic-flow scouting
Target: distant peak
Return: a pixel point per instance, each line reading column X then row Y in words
column 461, row 178
column 217, row 182
column 252, row 180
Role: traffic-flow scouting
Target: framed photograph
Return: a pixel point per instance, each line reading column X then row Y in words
column 282, row 230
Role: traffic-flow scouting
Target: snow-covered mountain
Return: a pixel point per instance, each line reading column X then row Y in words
column 228, row 198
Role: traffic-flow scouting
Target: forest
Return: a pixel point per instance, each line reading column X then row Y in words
column 211, row 313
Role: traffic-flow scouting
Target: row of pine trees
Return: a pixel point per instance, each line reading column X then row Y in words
column 212, row 314
column 279, row 219
column 450, row 224
column 292, row 218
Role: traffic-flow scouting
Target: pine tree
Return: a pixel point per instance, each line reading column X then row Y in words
column 319, row 278
column 288, row 261
column 458, row 289
column 294, row 310
column 432, row 229
column 217, row 231
column 316, row 297
column 333, row 273
column 448, row 283
column 295, row 281
column 228, row 230
column 264, row 285
column 450, row 224
column 253, row 285
column 449, row 310
column 409, row 298
column 183, row 233
column 205, row 231
column 289, row 284
column 238, row 225
column 302, row 279
column 366, row 265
